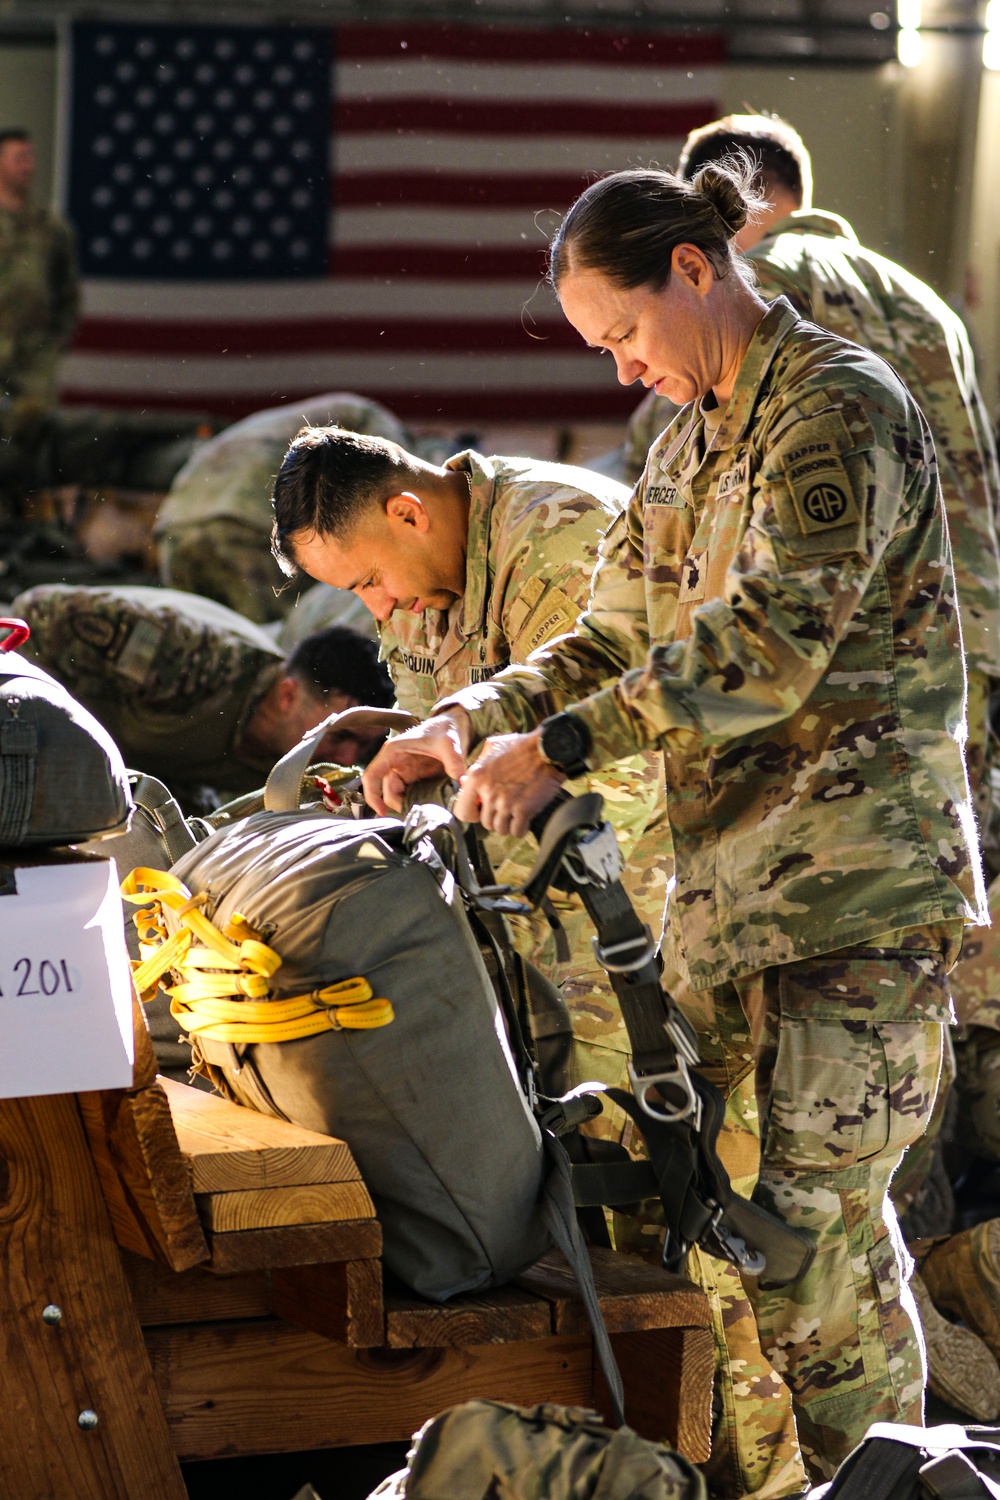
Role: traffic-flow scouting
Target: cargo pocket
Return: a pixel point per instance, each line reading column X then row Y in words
column 852, row 1078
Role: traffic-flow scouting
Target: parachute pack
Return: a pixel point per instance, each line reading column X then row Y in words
column 351, row 974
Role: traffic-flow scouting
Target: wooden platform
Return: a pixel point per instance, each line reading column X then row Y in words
column 245, row 1311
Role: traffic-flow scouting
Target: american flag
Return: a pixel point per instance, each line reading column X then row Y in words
column 269, row 212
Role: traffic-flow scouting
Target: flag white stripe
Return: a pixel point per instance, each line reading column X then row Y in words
column 394, row 225
column 530, row 82
column 514, row 154
column 169, row 375
column 281, row 301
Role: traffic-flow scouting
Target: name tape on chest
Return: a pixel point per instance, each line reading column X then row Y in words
column 664, row 494
column 821, row 491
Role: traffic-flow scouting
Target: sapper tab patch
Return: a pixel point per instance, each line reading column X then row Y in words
column 817, row 480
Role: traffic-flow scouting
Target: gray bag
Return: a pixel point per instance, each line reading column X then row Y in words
column 62, row 778
column 430, row 1104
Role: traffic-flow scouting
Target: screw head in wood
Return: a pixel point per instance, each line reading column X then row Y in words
column 52, row 1314
column 87, row 1420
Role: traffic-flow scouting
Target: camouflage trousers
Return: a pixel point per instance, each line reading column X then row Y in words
column 229, row 562
column 846, row 1056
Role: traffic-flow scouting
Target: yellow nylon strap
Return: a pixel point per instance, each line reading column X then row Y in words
column 231, row 1006
column 348, row 1006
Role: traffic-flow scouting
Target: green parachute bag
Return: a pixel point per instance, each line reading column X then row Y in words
column 486, row 1450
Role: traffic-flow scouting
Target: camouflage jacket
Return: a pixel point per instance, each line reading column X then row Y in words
column 173, row 677
column 39, row 301
column 793, row 578
column 815, row 260
column 534, row 531
column 233, row 474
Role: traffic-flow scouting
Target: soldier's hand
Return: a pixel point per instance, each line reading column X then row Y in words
column 509, row 783
column 432, row 748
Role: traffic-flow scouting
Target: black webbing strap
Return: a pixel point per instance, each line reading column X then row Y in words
column 680, row 1121
column 897, row 1462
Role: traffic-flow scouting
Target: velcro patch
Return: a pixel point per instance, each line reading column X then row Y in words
column 814, row 472
column 139, row 650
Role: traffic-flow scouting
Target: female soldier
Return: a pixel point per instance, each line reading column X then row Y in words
column 776, row 611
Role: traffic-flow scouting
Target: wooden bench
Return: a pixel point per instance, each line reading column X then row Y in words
column 219, row 1292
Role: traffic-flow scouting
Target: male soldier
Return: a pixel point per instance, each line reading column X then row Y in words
column 39, row 293
column 467, row 568
column 214, row 528
column 470, row 567
column 193, row 693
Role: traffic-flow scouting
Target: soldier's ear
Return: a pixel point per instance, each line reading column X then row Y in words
column 407, row 509
column 289, row 691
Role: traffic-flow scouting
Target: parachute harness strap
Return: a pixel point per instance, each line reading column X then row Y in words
column 224, row 976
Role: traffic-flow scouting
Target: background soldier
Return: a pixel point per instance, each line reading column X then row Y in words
column 214, row 527
column 39, row 302
column 191, row 692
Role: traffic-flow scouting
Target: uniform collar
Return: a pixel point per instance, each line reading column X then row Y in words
column 811, row 221
column 471, row 615
column 770, row 333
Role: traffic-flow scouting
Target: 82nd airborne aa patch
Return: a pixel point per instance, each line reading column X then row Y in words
column 821, row 492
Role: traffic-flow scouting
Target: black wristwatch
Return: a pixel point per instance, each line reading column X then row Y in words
column 564, row 743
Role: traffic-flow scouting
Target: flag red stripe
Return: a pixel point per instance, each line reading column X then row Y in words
column 541, row 405
column 456, row 190
column 489, row 117
column 439, row 262
column 126, row 336
column 542, row 44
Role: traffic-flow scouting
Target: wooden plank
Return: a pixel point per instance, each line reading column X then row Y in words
column 144, row 1063
column 164, row 1296
column 341, row 1301
column 667, row 1374
column 143, row 1175
column 633, row 1294
column 58, row 1248
column 268, row 1387
column 506, row 1315
column 295, row 1245
column 230, row 1147
column 268, row 1208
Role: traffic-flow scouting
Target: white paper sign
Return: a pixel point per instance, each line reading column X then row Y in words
column 65, row 996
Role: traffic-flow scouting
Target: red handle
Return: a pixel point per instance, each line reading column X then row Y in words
column 19, row 633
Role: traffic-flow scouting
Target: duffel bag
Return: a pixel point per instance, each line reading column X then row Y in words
column 62, row 778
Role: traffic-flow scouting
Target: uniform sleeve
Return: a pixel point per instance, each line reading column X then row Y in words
column 611, row 636
column 825, row 502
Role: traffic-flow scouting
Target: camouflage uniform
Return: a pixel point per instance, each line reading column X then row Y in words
column 787, row 560
column 174, row 678
column 534, row 530
column 214, row 528
column 39, row 303
column 814, row 259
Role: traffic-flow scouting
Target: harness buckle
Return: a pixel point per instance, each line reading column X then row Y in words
column 641, row 950
column 594, row 858
column 678, row 1078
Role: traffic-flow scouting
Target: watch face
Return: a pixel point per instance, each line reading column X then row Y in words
column 562, row 742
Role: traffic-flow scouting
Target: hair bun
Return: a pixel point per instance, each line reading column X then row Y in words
column 727, row 186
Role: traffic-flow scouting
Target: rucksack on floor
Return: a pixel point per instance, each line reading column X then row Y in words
column 897, row 1462
column 62, row 778
column 483, row 1449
